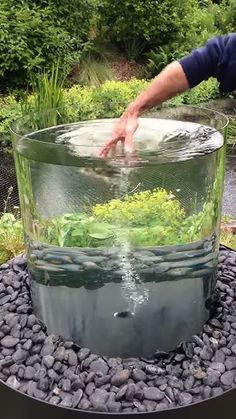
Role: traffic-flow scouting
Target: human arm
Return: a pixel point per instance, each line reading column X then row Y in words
column 216, row 59
column 171, row 81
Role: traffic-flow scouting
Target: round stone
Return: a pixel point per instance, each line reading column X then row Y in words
column 13, row 382
column 83, row 354
column 233, row 349
column 230, row 363
column 139, row 375
column 212, row 378
column 48, row 361
column 9, row 342
column 120, row 378
column 227, row 378
column 99, row 397
column 30, row 373
column 185, row 399
column 20, row 356
column 153, row 393
column 99, row 366
column 217, row 366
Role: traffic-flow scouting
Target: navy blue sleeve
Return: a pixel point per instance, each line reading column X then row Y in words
column 216, row 59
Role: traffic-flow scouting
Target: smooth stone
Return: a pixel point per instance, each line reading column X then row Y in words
column 217, row 391
column 184, row 399
column 212, row 378
column 83, row 354
column 4, row 300
column 59, row 354
column 29, row 373
column 120, row 378
column 230, row 363
column 153, row 393
column 13, row 382
column 130, row 392
column 233, row 349
column 121, row 393
column 227, row 378
column 99, row 366
column 20, row 356
column 219, row 356
column 77, row 385
column 9, row 342
column 76, row 398
column 114, row 407
column 217, row 366
column 47, row 349
column 99, row 397
column 189, row 382
column 139, row 375
column 206, row 353
column 48, row 361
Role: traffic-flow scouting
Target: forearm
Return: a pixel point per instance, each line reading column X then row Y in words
column 171, row 81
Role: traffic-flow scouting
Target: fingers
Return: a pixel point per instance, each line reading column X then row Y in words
column 124, row 132
column 129, row 143
column 105, row 149
column 132, row 125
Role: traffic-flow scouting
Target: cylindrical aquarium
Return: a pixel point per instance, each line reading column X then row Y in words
column 122, row 252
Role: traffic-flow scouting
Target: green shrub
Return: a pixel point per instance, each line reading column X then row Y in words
column 113, row 97
column 35, row 35
column 150, row 23
column 10, row 110
column 207, row 20
column 11, row 237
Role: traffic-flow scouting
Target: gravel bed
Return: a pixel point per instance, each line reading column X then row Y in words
column 62, row 373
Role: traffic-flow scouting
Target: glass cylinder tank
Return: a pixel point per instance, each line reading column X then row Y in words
column 122, row 252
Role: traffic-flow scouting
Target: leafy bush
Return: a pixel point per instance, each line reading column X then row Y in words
column 150, row 23
column 35, row 35
column 11, row 232
column 207, row 21
column 11, row 237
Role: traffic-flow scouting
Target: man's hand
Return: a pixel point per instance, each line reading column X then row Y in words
column 123, row 131
column 168, row 83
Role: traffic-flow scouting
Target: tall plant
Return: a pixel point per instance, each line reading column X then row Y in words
column 44, row 107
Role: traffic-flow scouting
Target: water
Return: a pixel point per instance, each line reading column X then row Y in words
column 147, row 288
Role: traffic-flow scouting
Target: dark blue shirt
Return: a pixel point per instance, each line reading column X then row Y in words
column 216, row 59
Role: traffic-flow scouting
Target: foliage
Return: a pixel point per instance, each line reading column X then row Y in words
column 147, row 218
column 159, row 58
column 11, row 233
column 228, row 239
column 10, row 110
column 35, row 34
column 207, row 20
column 48, row 90
column 11, row 237
column 108, row 101
column 93, row 72
column 94, row 65
column 151, row 23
